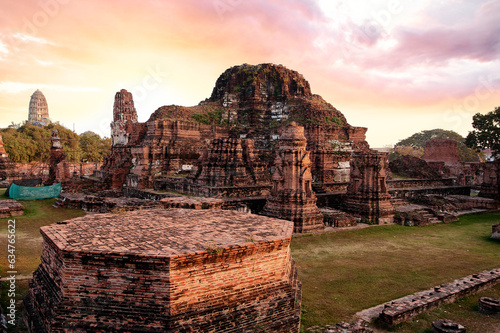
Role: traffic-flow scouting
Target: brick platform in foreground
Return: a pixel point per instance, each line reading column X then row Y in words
column 166, row 271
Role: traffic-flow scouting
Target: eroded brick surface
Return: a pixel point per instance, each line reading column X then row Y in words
column 192, row 203
column 10, row 208
column 367, row 195
column 166, row 271
column 291, row 196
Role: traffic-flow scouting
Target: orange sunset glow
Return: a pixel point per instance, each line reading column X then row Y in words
column 396, row 67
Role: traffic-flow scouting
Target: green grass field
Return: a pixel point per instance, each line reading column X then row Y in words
column 348, row 271
column 342, row 272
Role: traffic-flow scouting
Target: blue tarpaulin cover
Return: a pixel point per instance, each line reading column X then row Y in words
column 34, row 193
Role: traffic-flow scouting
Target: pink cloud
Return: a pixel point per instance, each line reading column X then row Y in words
column 477, row 39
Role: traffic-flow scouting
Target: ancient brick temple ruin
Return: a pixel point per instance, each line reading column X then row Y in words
column 229, row 162
column 489, row 179
column 164, row 271
column 58, row 168
column 247, row 102
column 442, row 150
column 291, row 196
column 442, row 156
column 38, row 109
column 367, row 195
column 124, row 115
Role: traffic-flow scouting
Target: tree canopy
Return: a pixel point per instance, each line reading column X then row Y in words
column 418, row 140
column 93, row 147
column 29, row 143
column 486, row 133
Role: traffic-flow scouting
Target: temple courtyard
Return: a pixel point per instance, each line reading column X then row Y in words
column 346, row 271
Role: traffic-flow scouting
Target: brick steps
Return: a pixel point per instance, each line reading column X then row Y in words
column 429, row 216
column 397, row 202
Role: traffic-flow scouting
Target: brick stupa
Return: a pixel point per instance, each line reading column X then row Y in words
column 38, row 109
column 166, row 271
column 291, row 196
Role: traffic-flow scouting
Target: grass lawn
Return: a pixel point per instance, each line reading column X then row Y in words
column 348, row 271
column 341, row 273
column 28, row 243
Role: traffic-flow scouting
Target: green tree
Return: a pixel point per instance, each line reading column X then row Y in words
column 93, row 147
column 20, row 147
column 418, row 141
column 486, row 133
column 29, row 143
column 405, row 150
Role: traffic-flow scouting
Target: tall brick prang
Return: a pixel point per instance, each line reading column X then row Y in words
column 38, row 109
column 166, row 271
column 291, row 195
column 123, row 113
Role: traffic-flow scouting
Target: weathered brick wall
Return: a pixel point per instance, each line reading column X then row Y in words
column 105, row 273
column 179, row 185
column 409, row 193
column 252, row 283
column 408, row 183
column 442, row 150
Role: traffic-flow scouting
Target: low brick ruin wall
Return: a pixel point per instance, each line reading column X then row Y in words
column 10, row 208
column 464, row 202
column 41, row 170
column 254, row 205
column 412, row 183
column 337, row 219
column 180, row 185
column 146, row 194
column 408, row 307
column 192, row 203
column 92, row 203
column 332, row 187
column 407, row 194
column 166, row 271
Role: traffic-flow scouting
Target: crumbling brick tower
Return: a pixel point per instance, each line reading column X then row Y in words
column 123, row 113
column 367, row 193
column 117, row 165
column 291, row 196
column 58, row 168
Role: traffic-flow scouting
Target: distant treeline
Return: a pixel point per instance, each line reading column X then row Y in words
column 29, row 143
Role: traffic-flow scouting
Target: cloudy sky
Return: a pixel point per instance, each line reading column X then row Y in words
column 395, row 66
